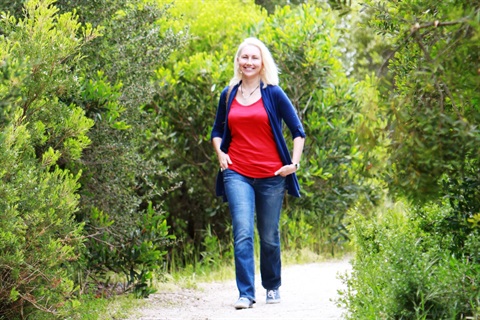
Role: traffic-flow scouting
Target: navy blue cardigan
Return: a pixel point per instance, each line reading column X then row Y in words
column 278, row 107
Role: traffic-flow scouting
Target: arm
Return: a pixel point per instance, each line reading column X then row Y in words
column 223, row 158
column 218, row 131
column 289, row 114
column 298, row 143
column 219, row 123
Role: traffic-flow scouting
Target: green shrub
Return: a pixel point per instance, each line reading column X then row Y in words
column 422, row 263
column 402, row 271
column 137, row 253
column 122, row 178
column 39, row 136
column 38, row 233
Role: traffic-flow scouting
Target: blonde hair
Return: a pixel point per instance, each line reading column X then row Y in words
column 269, row 73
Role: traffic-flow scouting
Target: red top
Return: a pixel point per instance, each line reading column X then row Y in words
column 253, row 150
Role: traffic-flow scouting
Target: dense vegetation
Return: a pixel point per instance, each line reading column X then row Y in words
column 417, row 254
column 107, row 172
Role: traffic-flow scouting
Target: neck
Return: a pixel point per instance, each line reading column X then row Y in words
column 250, row 83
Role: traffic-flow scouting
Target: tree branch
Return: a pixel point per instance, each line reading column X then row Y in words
column 413, row 30
column 435, row 24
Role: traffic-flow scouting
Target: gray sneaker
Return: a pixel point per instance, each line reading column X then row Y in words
column 243, row 303
column 273, row 296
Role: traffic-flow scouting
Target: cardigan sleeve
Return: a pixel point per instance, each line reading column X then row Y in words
column 219, row 123
column 289, row 114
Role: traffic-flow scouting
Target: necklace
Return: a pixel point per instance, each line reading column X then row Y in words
column 243, row 94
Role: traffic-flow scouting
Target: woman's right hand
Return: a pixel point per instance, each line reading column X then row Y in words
column 224, row 160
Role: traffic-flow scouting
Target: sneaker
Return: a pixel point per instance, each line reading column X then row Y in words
column 243, row 303
column 273, row 296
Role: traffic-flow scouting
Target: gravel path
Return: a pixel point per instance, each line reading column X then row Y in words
column 308, row 292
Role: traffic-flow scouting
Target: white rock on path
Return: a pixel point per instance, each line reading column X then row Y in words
column 308, row 291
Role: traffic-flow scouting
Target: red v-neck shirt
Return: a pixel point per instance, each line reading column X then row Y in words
column 253, row 151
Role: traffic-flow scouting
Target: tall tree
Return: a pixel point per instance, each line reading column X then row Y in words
column 434, row 102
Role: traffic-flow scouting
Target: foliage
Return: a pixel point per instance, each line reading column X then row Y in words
column 404, row 268
column 109, row 83
column 365, row 52
column 329, row 105
column 425, row 127
column 95, row 307
column 121, row 177
column 14, row 8
column 38, row 233
column 137, row 257
column 135, row 41
column 271, row 5
column 432, row 110
column 39, row 134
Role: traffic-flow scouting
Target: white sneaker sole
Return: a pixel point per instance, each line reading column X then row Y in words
column 273, row 301
column 243, row 304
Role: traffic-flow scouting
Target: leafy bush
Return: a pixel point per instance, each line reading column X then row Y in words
column 122, row 179
column 136, row 253
column 38, row 233
column 421, row 264
column 403, row 271
column 39, row 136
column 432, row 112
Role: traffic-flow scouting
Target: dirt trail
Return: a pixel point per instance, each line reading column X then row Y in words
column 308, row 293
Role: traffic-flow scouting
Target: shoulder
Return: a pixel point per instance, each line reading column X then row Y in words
column 224, row 93
column 229, row 88
column 276, row 93
column 225, row 90
column 274, row 90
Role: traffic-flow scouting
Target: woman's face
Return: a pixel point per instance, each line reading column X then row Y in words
column 250, row 61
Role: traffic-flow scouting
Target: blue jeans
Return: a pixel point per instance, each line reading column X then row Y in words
column 265, row 196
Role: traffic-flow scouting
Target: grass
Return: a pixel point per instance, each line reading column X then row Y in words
column 93, row 308
column 189, row 277
column 117, row 307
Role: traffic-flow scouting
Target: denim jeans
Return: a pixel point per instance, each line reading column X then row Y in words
column 265, row 196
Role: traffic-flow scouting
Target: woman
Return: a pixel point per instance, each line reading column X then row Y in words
column 255, row 164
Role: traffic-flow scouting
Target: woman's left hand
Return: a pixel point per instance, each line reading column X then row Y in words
column 286, row 170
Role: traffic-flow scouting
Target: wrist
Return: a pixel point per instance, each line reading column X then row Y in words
column 296, row 165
